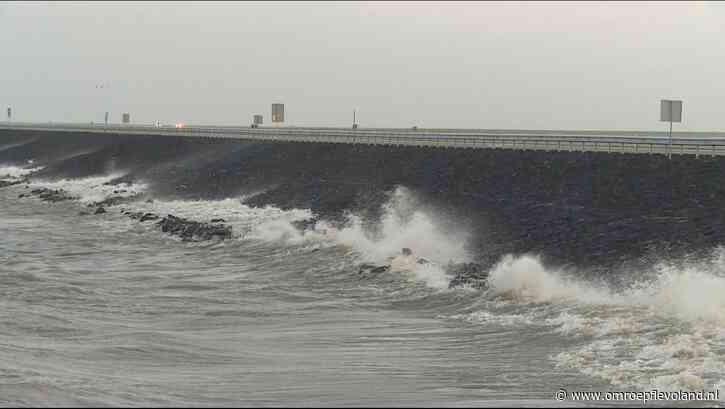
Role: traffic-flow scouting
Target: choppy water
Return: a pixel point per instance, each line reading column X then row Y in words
column 104, row 310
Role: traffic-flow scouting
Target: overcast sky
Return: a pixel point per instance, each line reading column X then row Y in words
column 470, row 65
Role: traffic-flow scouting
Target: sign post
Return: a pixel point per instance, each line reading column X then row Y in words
column 670, row 111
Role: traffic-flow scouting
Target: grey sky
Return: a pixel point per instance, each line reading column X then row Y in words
column 469, row 65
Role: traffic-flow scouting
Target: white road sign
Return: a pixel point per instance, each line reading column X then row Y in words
column 670, row 110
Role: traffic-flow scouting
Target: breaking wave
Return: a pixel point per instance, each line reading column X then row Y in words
column 689, row 294
column 664, row 332
column 401, row 225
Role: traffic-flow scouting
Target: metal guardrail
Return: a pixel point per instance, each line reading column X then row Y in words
column 472, row 139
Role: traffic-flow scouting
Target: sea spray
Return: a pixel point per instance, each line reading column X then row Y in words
column 15, row 172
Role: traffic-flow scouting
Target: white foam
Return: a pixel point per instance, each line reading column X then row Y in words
column 432, row 275
column 572, row 324
column 15, row 172
column 402, row 226
column 267, row 223
column 487, row 317
column 526, row 278
column 93, row 189
column 675, row 362
column 688, row 294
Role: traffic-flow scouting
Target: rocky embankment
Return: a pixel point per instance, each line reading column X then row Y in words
column 462, row 274
column 188, row 230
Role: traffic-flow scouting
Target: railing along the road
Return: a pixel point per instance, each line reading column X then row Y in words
column 449, row 138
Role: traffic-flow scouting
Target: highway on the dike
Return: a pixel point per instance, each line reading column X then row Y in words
column 585, row 141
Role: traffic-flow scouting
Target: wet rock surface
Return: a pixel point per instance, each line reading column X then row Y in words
column 190, row 230
column 52, row 195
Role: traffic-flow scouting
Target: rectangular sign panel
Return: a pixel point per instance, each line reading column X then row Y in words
column 277, row 112
column 670, row 110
